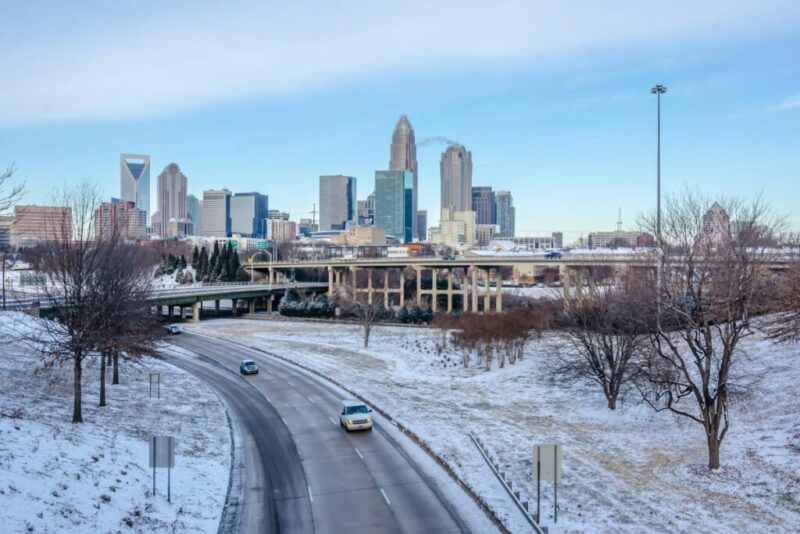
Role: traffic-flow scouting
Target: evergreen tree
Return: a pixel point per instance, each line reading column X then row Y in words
column 179, row 276
column 233, row 265
column 221, row 265
column 182, row 262
column 202, row 265
column 212, row 264
column 195, row 257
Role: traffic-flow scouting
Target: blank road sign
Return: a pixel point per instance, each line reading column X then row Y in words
column 548, row 459
column 162, row 451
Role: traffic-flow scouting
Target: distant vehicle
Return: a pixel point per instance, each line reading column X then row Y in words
column 173, row 329
column 553, row 255
column 248, row 367
column 355, row 416
column 448, row 257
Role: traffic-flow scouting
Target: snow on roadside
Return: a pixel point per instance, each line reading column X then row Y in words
column 64, row 477
column 630, row 471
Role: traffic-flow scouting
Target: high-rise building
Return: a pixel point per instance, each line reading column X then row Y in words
column 134, row 180
column 6, row 223
column 366, row 211
column 394, row 204
column 277, row 214
column 337, row 201
column 422, row 225
column 456, row 176
column 216, row 213
column 34, row 224
column 120, row 216
column 306, row 227
column 456, row 228
column 193, row 208
column 280, row 230
column 172, row 191
column 404, row 158
column 484, row 206
column 249, row 214
column 506, row 215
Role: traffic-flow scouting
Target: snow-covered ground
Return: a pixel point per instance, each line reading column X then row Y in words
column 167, row 281
column 56, row 476
column 629, row 471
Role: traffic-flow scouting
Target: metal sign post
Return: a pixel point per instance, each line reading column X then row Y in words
column 155, row 378
column 547, row 460
column 162, row 454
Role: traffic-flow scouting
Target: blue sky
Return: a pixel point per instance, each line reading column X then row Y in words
column 551, row 98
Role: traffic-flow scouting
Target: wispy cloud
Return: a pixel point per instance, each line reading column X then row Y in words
column 66, row 64
column 790, row 102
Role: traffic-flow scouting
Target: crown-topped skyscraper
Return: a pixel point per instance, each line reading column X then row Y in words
column 404, row 158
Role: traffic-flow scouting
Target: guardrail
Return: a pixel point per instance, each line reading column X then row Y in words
column 515, row 495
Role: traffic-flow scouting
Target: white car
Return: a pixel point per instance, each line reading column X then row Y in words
column 355, row 416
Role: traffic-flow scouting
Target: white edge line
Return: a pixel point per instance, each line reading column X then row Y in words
column 385, row 498
column 311, row 497
column 332, row 420
column 284, row 421
column 310, row 400
column 358, row 452
column 269, row 401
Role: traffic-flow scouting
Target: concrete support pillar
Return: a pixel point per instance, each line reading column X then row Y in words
column 474, row 274
column 269, row 303
column 487, row 295
column 498, row 299
column 251, row 306
column 169, row 312
column 330, row 280
column 402, row 288
column 434, row 289
column 216, row 306
column 386, row 288
column 196, row 311
column 449, row 291
column 464, row 291
column 355, row 281
column 418, row 272
column 234, row 305
column 369, row 286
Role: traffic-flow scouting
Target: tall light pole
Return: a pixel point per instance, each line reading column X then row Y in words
column 658, row 90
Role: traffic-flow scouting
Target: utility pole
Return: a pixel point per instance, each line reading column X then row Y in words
column 659, row 90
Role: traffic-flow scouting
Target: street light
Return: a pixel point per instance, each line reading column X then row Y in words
column 658, row 90
column 250, row 261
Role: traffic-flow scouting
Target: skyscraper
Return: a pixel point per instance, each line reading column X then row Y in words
column 456, row 175
column 337, row 201
column 134, row 180
column 193, row 208
column 505, row 213
column 249, row 214
column 172, row 191
column 483, row 204
column 422, row 225
column 394, row 204
column 216, row 213
column 403, row 157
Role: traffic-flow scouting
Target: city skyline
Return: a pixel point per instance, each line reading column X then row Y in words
column 566, row 123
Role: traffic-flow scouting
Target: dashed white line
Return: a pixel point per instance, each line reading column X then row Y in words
column 311, row 497
column 310, row 400
column 269, row 401
column 358, row 452
column 332, row 420
column 385, row 498
column 292, row 385
column 284, row 421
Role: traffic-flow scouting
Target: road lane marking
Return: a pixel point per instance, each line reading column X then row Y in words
column 332, row 420
column 385, row 498
column 284, row 421
column 290, row 383
column 358, row 452
column 269, row 401
column 311, row 497
column 310, row 400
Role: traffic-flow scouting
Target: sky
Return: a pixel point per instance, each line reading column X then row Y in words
column 552, row 98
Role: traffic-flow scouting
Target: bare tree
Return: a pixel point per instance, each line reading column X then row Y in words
column 9, row 195
column 603, row 328
column 784, row 326
column 367, row 313
column 715, row 275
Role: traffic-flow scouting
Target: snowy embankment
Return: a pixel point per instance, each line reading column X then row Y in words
column 629, row 471
column 94, row 477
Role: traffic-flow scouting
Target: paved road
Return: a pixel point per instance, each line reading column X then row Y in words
column 303, row 471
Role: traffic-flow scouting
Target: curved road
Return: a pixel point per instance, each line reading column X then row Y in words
column 302, row 472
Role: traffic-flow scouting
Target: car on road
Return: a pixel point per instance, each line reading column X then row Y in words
column 355, row 416
column 553, row 255
column 248, row 367
column 448, row 257
column 173, row 329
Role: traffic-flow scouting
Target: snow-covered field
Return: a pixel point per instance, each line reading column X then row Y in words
column 629, row 471
column 56, row 476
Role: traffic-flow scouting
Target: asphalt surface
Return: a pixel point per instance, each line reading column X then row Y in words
column 302, row 472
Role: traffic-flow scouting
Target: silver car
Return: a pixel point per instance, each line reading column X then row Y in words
column 355, row 416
